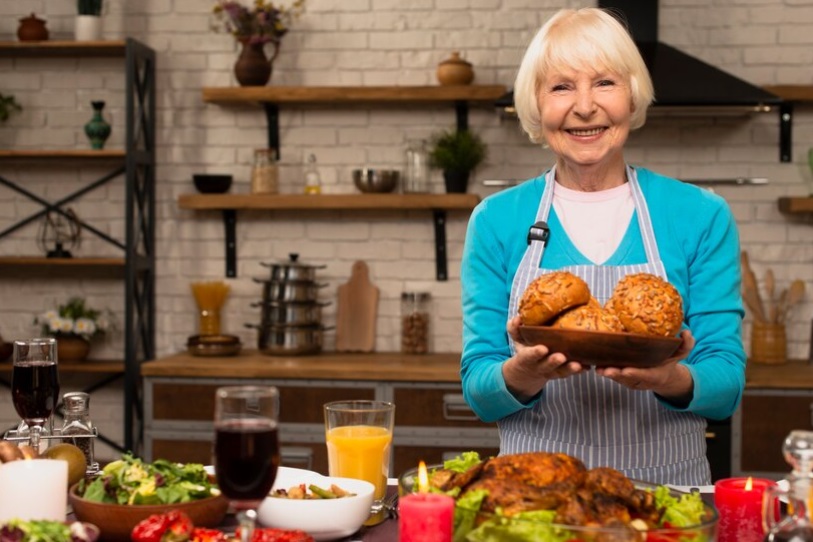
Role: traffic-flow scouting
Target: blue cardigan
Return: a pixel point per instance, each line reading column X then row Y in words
column 698, row 243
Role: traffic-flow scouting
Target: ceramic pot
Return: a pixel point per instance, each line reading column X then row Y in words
column 253, row 68
column 768, row 343
column 32, row 28
column 72, row 348
column 87, row 28
column 97, row 129
column 455, row 71
column 456, row 182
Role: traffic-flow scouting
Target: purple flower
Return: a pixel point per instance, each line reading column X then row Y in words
column 262, row 24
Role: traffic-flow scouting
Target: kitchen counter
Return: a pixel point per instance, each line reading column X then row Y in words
column 397, row 367
column 379, row 366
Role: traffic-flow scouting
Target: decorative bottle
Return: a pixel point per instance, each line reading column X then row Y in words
column 97, row 129
column 415, row 322
column 77, row 429
column 313, row 183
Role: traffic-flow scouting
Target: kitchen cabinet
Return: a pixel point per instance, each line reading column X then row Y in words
column 134, row 165
column 777, row 400
column 432, row 422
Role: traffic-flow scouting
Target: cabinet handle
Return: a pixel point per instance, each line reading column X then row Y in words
column 456, row 408
column 296, row 455
column 711, row 435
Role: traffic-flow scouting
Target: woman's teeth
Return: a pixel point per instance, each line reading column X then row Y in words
column 590, row 132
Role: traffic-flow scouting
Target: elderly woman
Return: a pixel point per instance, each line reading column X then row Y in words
column 581, row 87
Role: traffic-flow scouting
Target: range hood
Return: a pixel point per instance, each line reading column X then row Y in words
column 685, row 85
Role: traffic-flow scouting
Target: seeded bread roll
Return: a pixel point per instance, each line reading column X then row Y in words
column 588, row 317
column 647, row 305
column 550, row 295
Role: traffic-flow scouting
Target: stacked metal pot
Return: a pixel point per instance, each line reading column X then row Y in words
column 291, row 313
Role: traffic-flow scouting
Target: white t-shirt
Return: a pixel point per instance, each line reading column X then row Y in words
column 595, row 221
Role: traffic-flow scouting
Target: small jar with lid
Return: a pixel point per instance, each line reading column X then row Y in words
column 264, row 173
column 77, row 429
column 415, row 310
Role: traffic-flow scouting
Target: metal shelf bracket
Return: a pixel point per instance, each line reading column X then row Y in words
column 230, row 225
column 441, row 267
column 785, row 131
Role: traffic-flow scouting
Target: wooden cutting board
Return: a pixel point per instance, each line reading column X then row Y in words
column 356, row 312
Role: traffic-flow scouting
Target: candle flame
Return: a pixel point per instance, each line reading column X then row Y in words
column 423, row 478
column 749, row 484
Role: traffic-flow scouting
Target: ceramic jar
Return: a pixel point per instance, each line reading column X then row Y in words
column 97, row 129
column 32, row 28
column 455, row 71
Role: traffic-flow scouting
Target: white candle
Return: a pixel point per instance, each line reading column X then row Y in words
column 34, row 489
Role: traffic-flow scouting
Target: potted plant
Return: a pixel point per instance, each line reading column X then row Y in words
column 253, row 28
column 457, row 153
column 73, row 324
column 88, row 25
column 8, row 105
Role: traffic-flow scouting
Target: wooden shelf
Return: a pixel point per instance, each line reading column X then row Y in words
column 53, row 48
column 229, row 204
column 64, row 154
column 87, row 366
column 327, row 202
column 333, row 95
column 796, row 205
column 38, row 261
column 793, row 93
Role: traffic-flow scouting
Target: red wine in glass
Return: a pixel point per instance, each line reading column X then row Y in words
column 246, row 458
column 35, row 390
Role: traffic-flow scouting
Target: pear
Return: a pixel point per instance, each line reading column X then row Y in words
column 77, row 464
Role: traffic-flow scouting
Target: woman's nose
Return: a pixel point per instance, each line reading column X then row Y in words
column 585, row 103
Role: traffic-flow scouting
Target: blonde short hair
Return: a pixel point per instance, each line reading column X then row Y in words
column 580, row 39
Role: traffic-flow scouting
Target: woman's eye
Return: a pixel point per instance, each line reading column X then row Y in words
column 606, row 83
column 558, row 88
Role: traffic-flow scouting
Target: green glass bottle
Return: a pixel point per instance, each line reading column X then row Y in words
column 97, row 129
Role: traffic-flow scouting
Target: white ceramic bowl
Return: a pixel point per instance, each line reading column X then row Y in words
column 323, row 519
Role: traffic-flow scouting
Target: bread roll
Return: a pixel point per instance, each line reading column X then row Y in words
column 647, row 305
column 588, row 317
column 550, row 294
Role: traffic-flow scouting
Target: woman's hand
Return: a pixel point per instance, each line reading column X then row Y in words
column 670, row 380
column 532, row 366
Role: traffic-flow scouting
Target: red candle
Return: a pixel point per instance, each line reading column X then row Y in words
column 739, row 505
column 425, row 517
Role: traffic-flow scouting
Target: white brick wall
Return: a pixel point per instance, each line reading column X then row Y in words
column 368, row 42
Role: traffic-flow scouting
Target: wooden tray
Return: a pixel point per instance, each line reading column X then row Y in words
column 602, row 348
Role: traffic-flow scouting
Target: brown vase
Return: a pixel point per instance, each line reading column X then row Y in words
column 253, row 68
column 455, row 71
column 32, row 28
column 72, row 348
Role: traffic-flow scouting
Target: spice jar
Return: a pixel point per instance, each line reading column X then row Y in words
column 77, row 429
column 264, row 173
column 313, row 182
column 415, row 322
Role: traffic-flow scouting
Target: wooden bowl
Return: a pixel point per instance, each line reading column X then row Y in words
column 603, row 349
column 116, row 521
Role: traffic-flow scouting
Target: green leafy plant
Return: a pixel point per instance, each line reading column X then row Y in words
column 89, row 7
column 8, row 105
column 456, row 150
column 73, row 318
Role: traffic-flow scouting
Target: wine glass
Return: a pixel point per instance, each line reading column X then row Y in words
column 35, row 384
column 246, row 450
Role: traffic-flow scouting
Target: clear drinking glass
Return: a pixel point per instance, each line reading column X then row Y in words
column 359, row 441
column 246, row 450
column 35, row 384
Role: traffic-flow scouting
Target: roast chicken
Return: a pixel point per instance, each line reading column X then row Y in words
column 600, row 497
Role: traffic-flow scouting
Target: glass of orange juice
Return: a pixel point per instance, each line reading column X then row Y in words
column 359, row 441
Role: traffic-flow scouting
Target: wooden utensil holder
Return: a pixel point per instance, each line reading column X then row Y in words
column 768, row 343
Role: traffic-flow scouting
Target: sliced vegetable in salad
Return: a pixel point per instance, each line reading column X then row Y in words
column 130, row 480
column 17, row 530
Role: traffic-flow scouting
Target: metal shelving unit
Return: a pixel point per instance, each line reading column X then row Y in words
column 136, row 165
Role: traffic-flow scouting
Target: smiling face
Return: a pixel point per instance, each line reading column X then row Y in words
column 585, row 119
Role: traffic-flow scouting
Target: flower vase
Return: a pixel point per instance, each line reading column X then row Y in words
column 253, row 68
column 87, row 28
column 72, row 348
column 97, row 129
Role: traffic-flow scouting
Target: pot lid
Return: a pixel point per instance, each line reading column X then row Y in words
column 292, row 261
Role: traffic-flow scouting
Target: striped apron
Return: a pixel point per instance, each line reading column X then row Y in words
column 594, row 418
